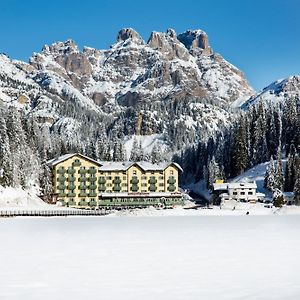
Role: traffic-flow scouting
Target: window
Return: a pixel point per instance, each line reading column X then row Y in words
column 124, row 177
column 242, row 193
column 144, row 177
column 171, row 172
column 161, row 191
column 124, row 184
column 144, row 184
column 109, row 185
column 161, row 177
column 250, row 193
column 234, row 193
column 144, row 191
column 108, row 177
column 134, row 172
column 161, row 184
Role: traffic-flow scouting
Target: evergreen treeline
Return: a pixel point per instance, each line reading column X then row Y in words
column 260, row 134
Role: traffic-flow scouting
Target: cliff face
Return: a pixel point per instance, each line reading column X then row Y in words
column 171, row 85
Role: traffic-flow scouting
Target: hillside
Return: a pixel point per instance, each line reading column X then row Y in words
column 173, row 86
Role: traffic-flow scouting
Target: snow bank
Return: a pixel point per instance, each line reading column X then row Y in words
column 231, row 208
column 178, row 258
column 11, row 198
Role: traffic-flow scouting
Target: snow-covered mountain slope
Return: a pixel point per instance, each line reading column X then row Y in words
column 173, row 87
column 276, row 93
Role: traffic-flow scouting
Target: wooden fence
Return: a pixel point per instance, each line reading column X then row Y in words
column 52, row 213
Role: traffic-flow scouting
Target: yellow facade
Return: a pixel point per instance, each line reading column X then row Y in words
column 78, row 180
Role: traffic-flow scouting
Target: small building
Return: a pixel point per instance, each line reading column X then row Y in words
column 80, row 181
column 239, row 191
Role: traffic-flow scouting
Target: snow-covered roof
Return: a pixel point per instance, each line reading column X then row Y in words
column 144, row 165
column 139, row 195
column 237, row 185
column 57, row 160
column 220, row 186
column 234, row 185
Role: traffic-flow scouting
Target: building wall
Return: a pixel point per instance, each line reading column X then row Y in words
column 69, row 164
column 242, row 193
column 132, row 180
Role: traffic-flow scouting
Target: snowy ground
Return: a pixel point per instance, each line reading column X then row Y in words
column 178, row 258
column 256, row 174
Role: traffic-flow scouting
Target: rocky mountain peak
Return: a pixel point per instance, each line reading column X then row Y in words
column 66, row 47
column 194, row 40
column 129, row 33
column 168, row 44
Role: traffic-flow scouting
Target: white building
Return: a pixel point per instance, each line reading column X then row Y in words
column 239, row 191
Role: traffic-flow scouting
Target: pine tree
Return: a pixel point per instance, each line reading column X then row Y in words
column 5, row 157
column 134, row 155
column 269, row 182
column 239, row 149
column 278, row 199
column 297, row 189
column 214, row 172
column 279, row 171
column 45, row 181
column 290, row 170
column 156, row 154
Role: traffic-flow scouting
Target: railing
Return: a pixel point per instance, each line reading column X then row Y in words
column 52, row 213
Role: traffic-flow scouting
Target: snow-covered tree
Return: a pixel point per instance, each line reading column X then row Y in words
column 278, row 199
column 269, row 182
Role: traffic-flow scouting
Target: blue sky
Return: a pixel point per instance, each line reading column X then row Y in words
column 261, row 37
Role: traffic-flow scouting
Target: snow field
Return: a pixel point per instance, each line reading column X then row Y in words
column 246, row 257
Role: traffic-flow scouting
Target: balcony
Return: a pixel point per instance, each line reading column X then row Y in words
column 93, row 203
column 61, row 194
column 76, row 163
column 101, row 188
column 61, row 179
column 171, row 180
column 134, row 188
column 82, row 194
column 82, row 179
column 152, row 188
column 92, row 179
column 101, row 180
column 82, row 202
column 117, row 180
column 134, row 180
column 92, row 171
column 71, row 187
column 92, row 194
column 83, row 171
column 70, row 195
column 71, row 178
column 71, row 171
column 117, row 188
column 61, row 187
column 72, row 202
column 171, row 188
column 61, row 171
column 152, row 180
column 92, row 186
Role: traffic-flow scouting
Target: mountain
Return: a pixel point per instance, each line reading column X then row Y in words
column 172, row 87
column 276, row 93
column 171, row 97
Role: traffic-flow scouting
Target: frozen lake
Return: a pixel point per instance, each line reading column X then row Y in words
column 146, row 258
